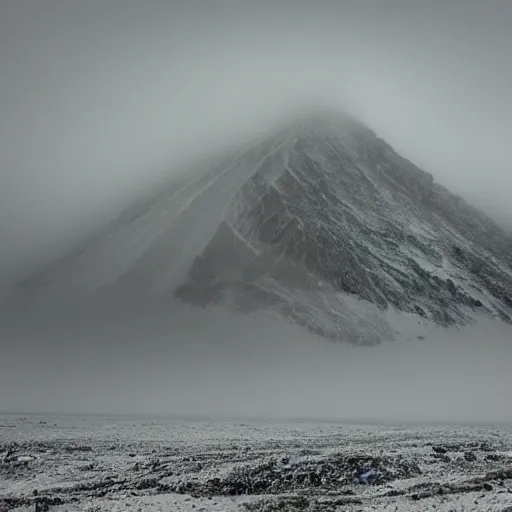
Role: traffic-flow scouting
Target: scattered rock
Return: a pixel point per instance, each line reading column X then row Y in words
column 44, row 504
column 77, row 448
column 443, row 458
column 470, row 456
column 280, row 477
column 276, row 475
column 486, row 447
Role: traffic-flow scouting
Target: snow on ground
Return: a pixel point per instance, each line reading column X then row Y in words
column 99, row 464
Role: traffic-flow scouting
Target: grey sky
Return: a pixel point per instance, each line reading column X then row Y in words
column 98, row 95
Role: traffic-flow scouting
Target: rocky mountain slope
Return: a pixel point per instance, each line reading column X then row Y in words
column 323, row 223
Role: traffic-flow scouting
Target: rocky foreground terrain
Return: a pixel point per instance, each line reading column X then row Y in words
column 97, row 464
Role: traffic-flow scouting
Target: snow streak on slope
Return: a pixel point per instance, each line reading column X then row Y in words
column 323, row 223
column 150, row 246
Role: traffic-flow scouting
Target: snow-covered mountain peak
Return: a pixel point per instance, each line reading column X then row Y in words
column 323, row 223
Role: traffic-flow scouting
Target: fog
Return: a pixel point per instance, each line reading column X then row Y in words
column 100, row 99
column 211, row 363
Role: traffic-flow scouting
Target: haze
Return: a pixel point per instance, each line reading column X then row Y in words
column 212, row 363
column 100, row 99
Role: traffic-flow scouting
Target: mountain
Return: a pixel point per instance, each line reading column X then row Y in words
column 322, row 223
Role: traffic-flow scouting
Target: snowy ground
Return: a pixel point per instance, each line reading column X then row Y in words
column 79, row 463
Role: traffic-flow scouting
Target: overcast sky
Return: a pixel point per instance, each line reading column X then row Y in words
column 98, row 95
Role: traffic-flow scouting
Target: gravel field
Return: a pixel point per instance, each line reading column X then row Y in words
column 96, row 464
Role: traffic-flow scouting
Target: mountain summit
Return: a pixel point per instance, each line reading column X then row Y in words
column 323, row 223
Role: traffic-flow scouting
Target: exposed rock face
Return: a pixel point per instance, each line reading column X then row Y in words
column 337, row 210
column 324, row 223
